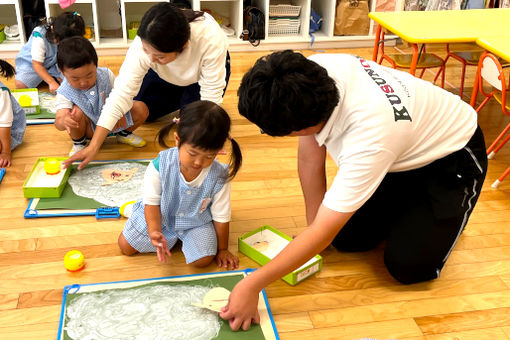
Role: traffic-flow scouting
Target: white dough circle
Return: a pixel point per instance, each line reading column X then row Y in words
column 216, row 299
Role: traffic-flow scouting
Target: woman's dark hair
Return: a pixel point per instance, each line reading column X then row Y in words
column 6, row 69
column 285, row 92
column 204, row 125
column 67, row 24
column 166, row 27
column 75, row 52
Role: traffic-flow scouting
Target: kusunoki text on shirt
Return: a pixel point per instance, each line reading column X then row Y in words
column 399, row 110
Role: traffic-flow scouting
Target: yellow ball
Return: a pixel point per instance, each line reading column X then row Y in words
column 52, row 166
column 74, row 260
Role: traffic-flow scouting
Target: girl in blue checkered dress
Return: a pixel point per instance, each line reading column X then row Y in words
column 187, row 192
column 12, row 118
column 37, row 59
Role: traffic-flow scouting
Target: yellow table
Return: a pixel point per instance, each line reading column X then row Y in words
column 497, row 45
column 421, row 27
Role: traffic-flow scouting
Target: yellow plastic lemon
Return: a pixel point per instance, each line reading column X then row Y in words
column 74, row 260
column 52, row 166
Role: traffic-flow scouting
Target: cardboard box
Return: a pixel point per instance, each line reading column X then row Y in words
column 40, row 184
column 264, row 243
column 28, row 99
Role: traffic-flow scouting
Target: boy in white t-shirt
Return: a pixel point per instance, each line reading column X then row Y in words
column 411, row 164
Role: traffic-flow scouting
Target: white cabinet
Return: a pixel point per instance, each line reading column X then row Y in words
column 10, row 14
column 86, row 8
column 105, row 16
column 132, row 12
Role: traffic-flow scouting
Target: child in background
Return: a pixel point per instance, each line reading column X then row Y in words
column 82, row 94
column 12, row 118
column 187, row 192
column 37, row 59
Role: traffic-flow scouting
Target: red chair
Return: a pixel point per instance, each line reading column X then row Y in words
column 467, row 58
column 490, row 72
column 425, row 61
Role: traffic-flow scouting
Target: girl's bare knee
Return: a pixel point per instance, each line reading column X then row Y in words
column 125, row 247
column 19, row 84
column 203, row 262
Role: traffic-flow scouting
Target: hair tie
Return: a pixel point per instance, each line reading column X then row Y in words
column 76, row 13
column 176, row 120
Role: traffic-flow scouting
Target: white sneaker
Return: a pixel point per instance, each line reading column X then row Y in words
column 132, row 140
column 76, row 148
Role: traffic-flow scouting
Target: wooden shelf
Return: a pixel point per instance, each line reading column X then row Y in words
column 133, row 10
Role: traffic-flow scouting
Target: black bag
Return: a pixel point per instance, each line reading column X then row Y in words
column 33, row 13
column 254, row 25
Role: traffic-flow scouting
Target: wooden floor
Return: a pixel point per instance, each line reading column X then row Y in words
column 351, row 298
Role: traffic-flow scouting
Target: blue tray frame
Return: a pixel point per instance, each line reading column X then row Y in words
column 71, row 289
column 31, row 212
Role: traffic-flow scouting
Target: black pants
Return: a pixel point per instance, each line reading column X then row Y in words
column 162, row 97
column 420, row 213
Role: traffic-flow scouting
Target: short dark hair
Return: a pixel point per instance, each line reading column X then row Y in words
column 166, row 27
column 285, row 92
column 6, row 69
column 67, row 24
column 75, row 52
column 204, row 125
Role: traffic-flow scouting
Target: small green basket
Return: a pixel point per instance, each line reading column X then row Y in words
column 293, row 278
column 133, row 29
column 31, row 190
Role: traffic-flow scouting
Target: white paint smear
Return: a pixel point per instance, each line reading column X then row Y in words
column 88, row 183
column 150, row 312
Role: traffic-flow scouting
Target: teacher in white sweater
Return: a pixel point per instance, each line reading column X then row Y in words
column 179, row 56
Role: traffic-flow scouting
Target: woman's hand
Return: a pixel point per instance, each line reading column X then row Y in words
column 85, row 156
column 159, row 241
column 241, row 309
column 226, row 259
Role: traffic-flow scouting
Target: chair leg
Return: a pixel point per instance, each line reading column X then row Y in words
column 443, row 71
column 491, row 151
column 462, row 80
column 497, row 182
column 422, row 72
column 482, row 104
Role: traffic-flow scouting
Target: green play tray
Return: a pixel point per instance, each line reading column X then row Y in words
column 249, row 244
column 39, row 184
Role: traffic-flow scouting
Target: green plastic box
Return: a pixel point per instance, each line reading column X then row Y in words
column 28, row 99
column 37, row 185
column 275, row 240
column 133, row 29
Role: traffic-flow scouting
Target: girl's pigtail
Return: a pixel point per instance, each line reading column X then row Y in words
column 165, row 131
column 6, row 69
column 48, row 26
column 236, row 159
